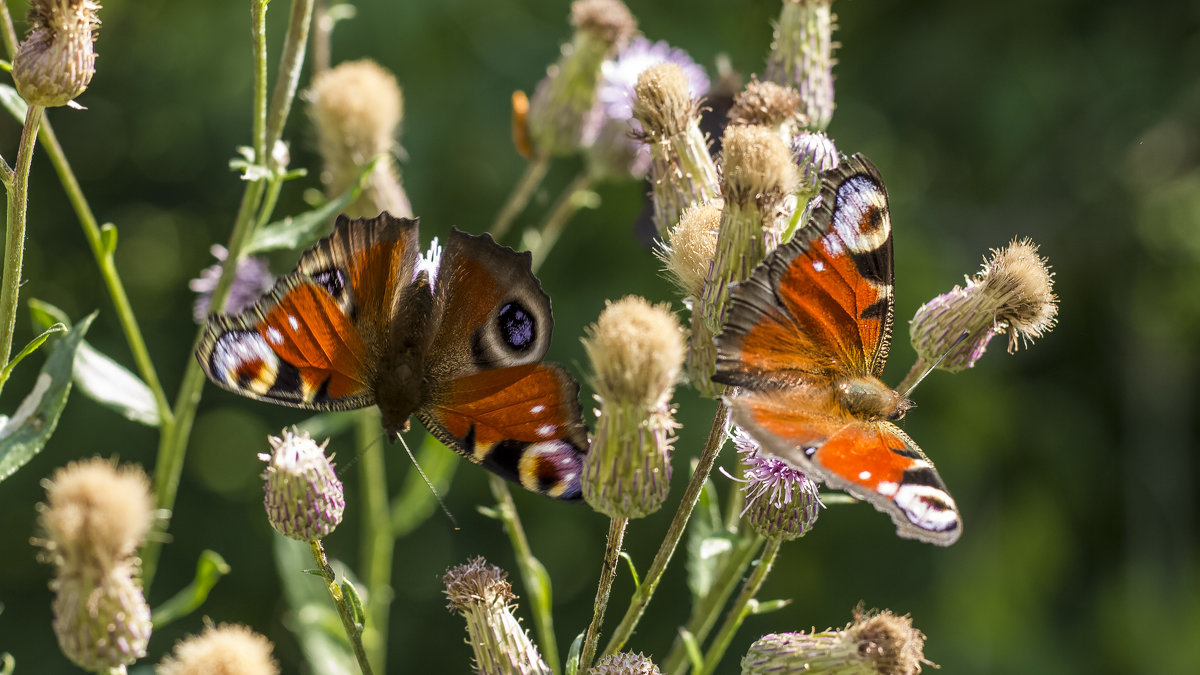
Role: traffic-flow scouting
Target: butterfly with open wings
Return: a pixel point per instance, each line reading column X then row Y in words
column 805, row 343
column 365, row 320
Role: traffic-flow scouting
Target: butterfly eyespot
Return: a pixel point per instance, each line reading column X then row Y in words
column 331, row 280
column 517, row 327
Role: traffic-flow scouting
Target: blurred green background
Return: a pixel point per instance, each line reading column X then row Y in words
column 1073, row 462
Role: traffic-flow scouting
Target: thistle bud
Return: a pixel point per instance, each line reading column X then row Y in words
column 1013, row 294
column 57, row 59
column 815, row 154
column 769, row 105
column 624, row 663
column 356, row 109
column 877, row 644
column 303, row 494
column 802, row 57
column 636, row 350
column 481, row 594
column 758, row 181
column 690, row 248
column 781, row 501
column 94, row 518
column 682, row 173
column 563, row 100
column 227, row 649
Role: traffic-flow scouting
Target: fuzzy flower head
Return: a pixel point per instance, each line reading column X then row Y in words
column 227, row 649
column 1013, row 294
column 690, row 248
column 304, row 497
column 636, row 351
column 251, row 281
column 356, row 109
column 877, row 643
column 57, row 59
column 625, row 663
column 615, row 142
column 781, row 501
column 481, row 594
column 95, row 515
column 94, row 518
column 769, row 105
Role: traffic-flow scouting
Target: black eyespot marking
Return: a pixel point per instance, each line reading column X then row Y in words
column 517, row 327
column 331, row 280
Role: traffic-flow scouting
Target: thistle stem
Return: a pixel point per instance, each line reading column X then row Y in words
column 535, row 171
column 566, row 206
column 705, row 613
column 608, row 574
column 14, row 246
column 533, row 574
column 740, row 609
column 343, row 608
column 645, row 592
column 378, row 545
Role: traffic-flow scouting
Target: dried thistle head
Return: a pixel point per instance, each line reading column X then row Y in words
column 304, row 498
column 690, row 248
column 481, row 594
column 756, row 166
column 876, row 643
column 57, row 59
column 1013, row 294
column 636, row 350
column 609, row 20
column 770, row 105
column 227, row 649
column 95, row 515
column 356, row 109
column 662, row 101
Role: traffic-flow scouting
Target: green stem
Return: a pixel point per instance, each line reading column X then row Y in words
column 290, row 62
column 705, row 613
column 343, row 608
column 108, row 270
column 645, row 592
column 566, row 206
column 172, row 445
column 535, row 171
column 378, row 545
column 533, row 574
column 740, row 609
column 14, row 246
column 7, row 32
column 608, row 574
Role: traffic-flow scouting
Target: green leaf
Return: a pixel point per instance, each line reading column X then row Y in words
column 102, row 379
column 768, row 606
column 693, row 649
column 637, row 583
column 45, row 314
column 210, row 567
column 24, row 435
column 108, row 238
column 355, row 604
column 709, row 543
column 30, row 348
column 111, row 385
column 12, row 101
column 415, row 502
column 303, row 230
column 311, row 614
column 7, row 664
column 573, row 655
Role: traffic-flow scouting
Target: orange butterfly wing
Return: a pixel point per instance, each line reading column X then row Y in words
column 813, row 322
column 314, row 340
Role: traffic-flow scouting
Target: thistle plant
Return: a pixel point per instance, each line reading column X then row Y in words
column 620, row 107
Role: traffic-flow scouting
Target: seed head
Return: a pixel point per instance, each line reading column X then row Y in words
column 227, row 649
column 875, row 644
column 769, row 105
column 481, row 594
column 57, row 59
column 304, row 497
column 689, row 251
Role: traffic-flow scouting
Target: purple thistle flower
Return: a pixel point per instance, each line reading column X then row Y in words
column 612, row 135
column 251, row 281
column 781, row 501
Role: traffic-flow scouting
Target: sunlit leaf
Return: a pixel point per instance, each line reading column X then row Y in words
column 110, row 384
column 573, row 655
column 210, row 567
column 693, row 649
column 25, row 433
column 12, row 102
column 303, row 230
column 30, row 348
column 355, row 604
column 709, row 543
column 7, row 664
column 768, row 606
column 637, row 583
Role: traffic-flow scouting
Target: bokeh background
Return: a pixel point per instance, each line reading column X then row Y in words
column 1073, row 462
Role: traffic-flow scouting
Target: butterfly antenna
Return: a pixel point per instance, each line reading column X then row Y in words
column 936, row 363
column 425, row 478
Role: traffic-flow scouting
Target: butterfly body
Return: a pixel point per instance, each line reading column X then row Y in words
column 365, row 320
column 805, row 343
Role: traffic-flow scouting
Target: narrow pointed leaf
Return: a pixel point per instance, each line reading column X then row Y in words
column 30, row 348
column 209, row 569
column 303, row 230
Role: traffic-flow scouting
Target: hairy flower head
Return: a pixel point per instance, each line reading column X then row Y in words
column 227, row 649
